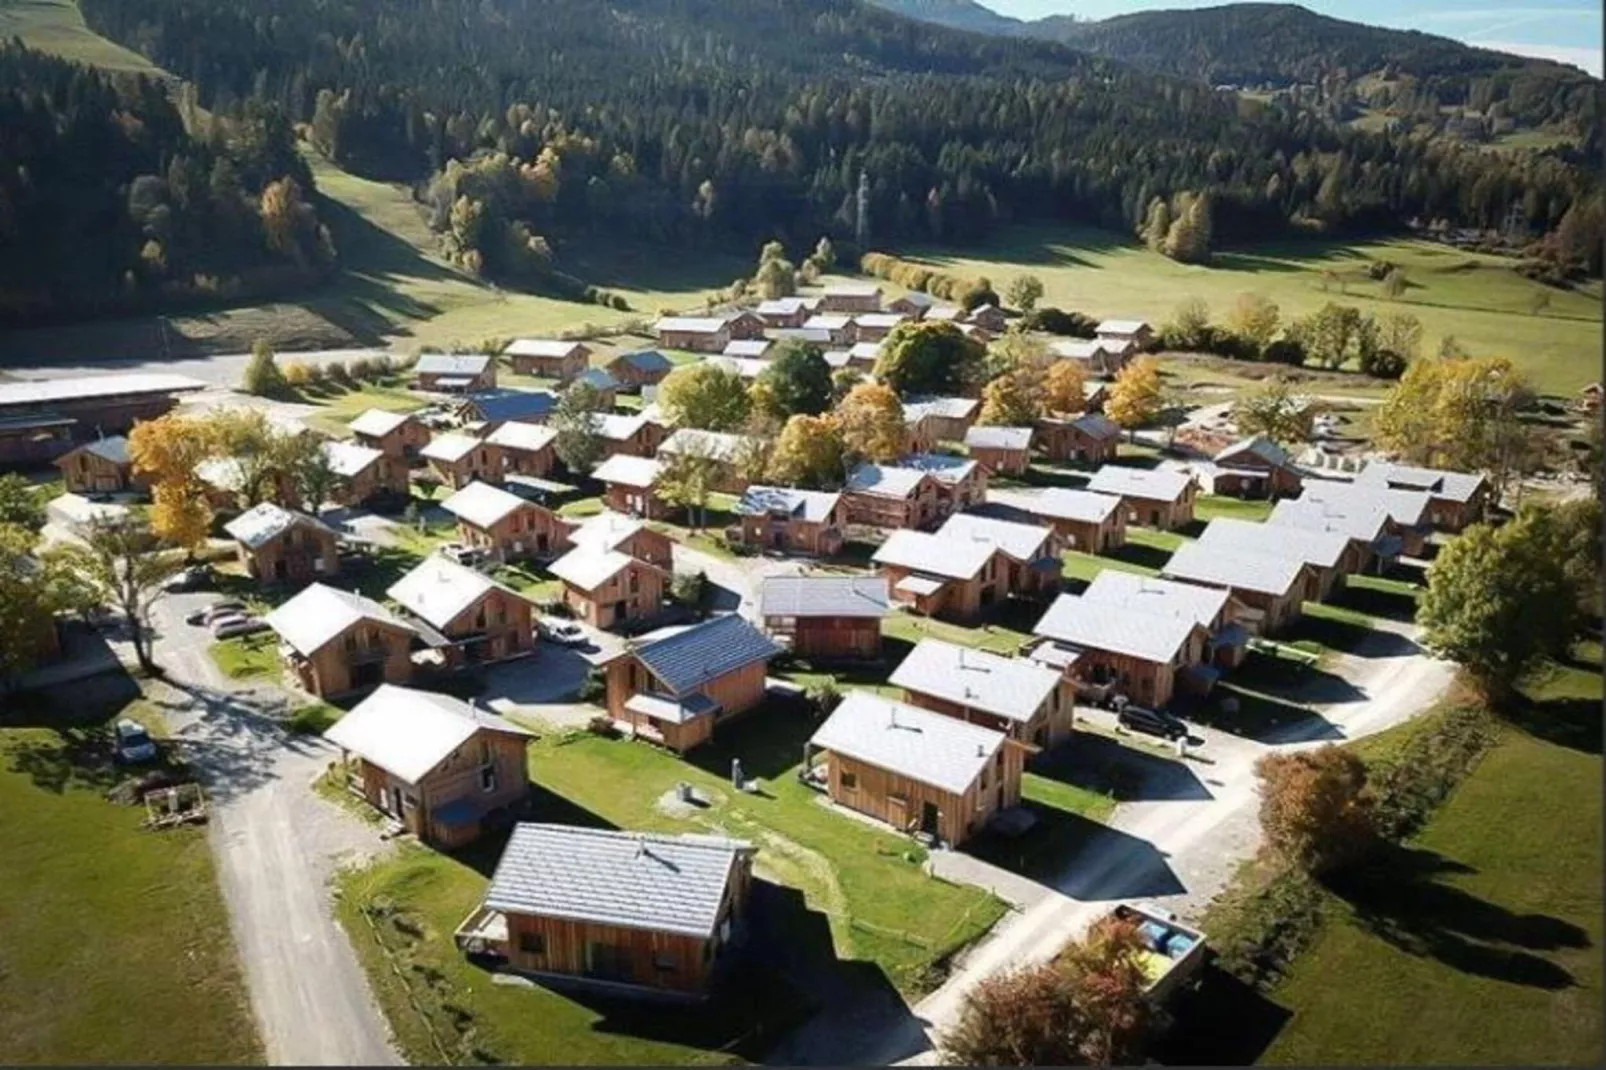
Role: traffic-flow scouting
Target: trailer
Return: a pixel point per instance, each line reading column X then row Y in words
column 1173, row 952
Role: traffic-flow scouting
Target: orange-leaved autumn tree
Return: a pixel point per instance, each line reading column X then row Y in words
column 808, row 453
column 1011, row 400
column 1067, row 387
column 871, row 419
column 1315, row 810
column 1136, row 395
column 167, row 451
column 180, row 514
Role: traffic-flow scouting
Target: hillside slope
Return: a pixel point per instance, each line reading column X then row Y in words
column 956, row 15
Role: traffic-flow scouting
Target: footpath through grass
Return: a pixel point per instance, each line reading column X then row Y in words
column 1481, row 943
column 114, row 941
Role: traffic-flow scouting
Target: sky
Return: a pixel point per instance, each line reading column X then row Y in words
column 1564, row 30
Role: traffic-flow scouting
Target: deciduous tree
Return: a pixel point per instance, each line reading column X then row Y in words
column 180, row 515
column 34, row 589
column 1011, row 400
column 871, row 419
column 1136, row 395
column 1329, row 334
column 1067, row 387
column 1274, row 410
column 1023, row 292
column 705, row 396
column 120, row 560
column 799, row 379
column 930, row 358
column 579, row 443
column 1461, row 413
column 1315, row 811
column 20, row 504
column 1254, row 318
column 262, row 375
column 687, row 480
column 808, row 453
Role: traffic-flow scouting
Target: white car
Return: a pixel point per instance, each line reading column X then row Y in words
column 134, row 743
column 231, row 626
column 562, row 632
column 464, row 555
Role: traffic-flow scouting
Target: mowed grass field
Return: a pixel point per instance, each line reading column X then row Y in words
column 1481, row 941
column 1478, row 299
column 57, row 27
column 114, row 941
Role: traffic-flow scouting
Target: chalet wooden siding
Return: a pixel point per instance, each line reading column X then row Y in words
column 1050, row 724
column 500, row 625
column 403, row 441
column 1063, row 440
column 1252, row 476
column 919, row 510
column 482, row 463
column 997, row 460
column 299, row 555
column 1091, row 536
column 86, row 472
column 634, row 501
column 912, row 806
column 857, row 638
column 792, row 535
column 386, row 476
column 365, row 655
column 631, row 594
column 736, row 693
column 528, row 531
column 1157, row 513
column 489, row 772
column 562, row 368
column 431, row 381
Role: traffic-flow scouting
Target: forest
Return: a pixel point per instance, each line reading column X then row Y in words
column 695, row 123
column 109, row 204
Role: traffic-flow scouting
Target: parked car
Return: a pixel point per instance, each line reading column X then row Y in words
column 194, row 578
column 230, row 627
column 562, row 632
column 465, row 555
column 1152, row 722
column 134, row 743
column 207, row 614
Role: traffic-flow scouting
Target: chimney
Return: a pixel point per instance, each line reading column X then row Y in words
column 981, row 751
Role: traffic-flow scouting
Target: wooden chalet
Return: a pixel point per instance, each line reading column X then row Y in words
column 1030, row 703
column 100, row 467
column 524, row 449
column 1213, row 609
column 42, row 419
column 364, row 475
column 1455, row 499
column 627, row 535
column 785, row 312
column 224, row 480
column 444, row 770
column 923, row 773
column 1090, row 438
column 506, row 526
column 277, row 545
column 891, row 496
column 989, row 318
column 598, row 379
column 789, row 521
column 634, row 435
column 464, row 616
column 1152, row 497
column 628, row 484
column 548, row 358
column 1092, row 523
column 851, row 297
column 1097, row 358
column 1255, row 467
column 336, row 642
column 1136, row 334
column 1000, row 450
column 726, row 450
column 1271, row 589
column 932, row 420
column 675, row 688
column 454, row 373
column 961, row 483
column 939, row 577
column 825, row 618
column 1113, row 647
column 458, row 460
column 839, row 328
column 913, row 304
column 643, row 367
column 875, row 326
column 707, row 334
column 1354, row 508
column 615, row 912
column 1029, row 554
column 1328, row 556
column 487, row 410
column 609, row 589
column 398, row 435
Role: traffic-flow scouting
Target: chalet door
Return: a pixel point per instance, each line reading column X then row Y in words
column 279, row 569
column 779, row 538
column 608, row 962
column 395, row 806
column 898, row 812
column 368, row 674
column 930, row 818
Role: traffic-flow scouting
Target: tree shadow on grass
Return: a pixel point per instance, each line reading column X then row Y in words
column 1222, row 1022
column 1376, row 602
column 1348, row 637
column 1151, row 557
column 1402, row 898
column 768, row 741
column 1574, row 723
column 1261, row 717
column 1100, row 764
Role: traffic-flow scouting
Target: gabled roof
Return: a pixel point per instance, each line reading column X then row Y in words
column 319, row 613
column 348, row 459
column 864, row 351
column 262, row 523
column 1022, row 542
column 618, row 427
column 1058, row 503
column 810, row 505
column 1439, row 482
column 927, row 747
column 1323, row 549
column 589, row 567
column 629, row 471
column 471, row 364
column 647, row 360
column 824, row 596
column 918, row 408
column 917, row 298
column 1008, row 687
column 1365, row 521
column 438, row 589
column 781, row 306
column 482, row 504
column 942, row 467
column 747, row 347
column 691, row 658
column 597, row 377
column 1160, row 484
column 955, row 558
column 885, row 480
column 1095, row 625
column 378, row 422
column 1120, row 327
column 1152, row 595
column 879, row 319
column 827, row 321
column 635, row 880
column 450, row 447
column 1080, row 348
column 542, row 347
column 1408, row 508
column 1096, row 425
column 1260, row 573
column 509, row 404
column 691, row 324
column 407, row 733
column 999, row 438
column 529, row 437
column 77, row 388
column 606, row 531
column 852, row 289
column 719, row 445
column 1255, row 446
column 113, row 448
column 945, row 312
column 802, row 334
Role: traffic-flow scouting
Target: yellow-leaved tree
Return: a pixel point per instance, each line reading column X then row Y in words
column 167, row 451
column 1012, row 400
column 808, row 453
column 1136, row 396
column 871, row 422
column 180, row 514
column 1461, row 413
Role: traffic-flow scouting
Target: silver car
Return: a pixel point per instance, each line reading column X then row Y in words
column 134, row 743
column 230, row 627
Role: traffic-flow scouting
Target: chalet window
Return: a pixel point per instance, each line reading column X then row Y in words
column 488, row 779
column 532, row 943
column 351, row 641
column 635, row 583
column 664, row 962
column 409, row 802
column 850, row 782
column 479, row 618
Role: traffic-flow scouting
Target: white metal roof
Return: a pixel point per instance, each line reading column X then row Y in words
column 1120, row 327
column 746, row 367
column 880, row 319
column 1058, row 503
column 1258, row 446
column 1150, row 594
column 266, row 521
column 1366, row 521
column 1096, row 625
column 634, row 880
column 629, row 471
column 747, row 347
column 606, row 531
column 827, row 321
column 823, row 596
column 450, row 447
column 1260, row 573
column 999, row 438
column 1023, row 542
column 931, row 748
column 941, row 467
column 1408, row 508
column 1159, row 484
column 809, row 505
column 691, row 324
column 437, row 590
column 954, row 558
column 1323, row 549
column 470, row 364
column 541, row 347
column 719, row 445
column 319, row 613
column 917, row 409
column 921, row 586
column 589, row 567
column 408, row 732
column 1079, row 348
column 113, row 448
column 1008, row 687
column 516, row 436
column 852, row 289
column 885, row 480
column 349, row 459
column 378, row 422
column 865, row 351
column 1439, row 482
column 77, row 388
column 482, row 504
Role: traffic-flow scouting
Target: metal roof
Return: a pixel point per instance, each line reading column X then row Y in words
column 1258, row 446
column 827, row 321
column 781, row 306
column 1008, row 687
column 482, row 504
column 824, row 596
column 1080, row 348
column 378, row 422
column 944, row 312
column 541, row 347
column 918, row 408
column 747, row 347
column 1096, row 625
column 1096, row 425
column 647, row 360
column 927, row 747
column 1023, row 542
column 470, row 364
column 1260, row 573
column 319, row 613
column 266, row 521
column 1439, row 482
column 629, row 471
column 719, row 445
column 450, row 447
column 955, row 558
column 1058, row 503
column 80, row 388
column 746, row 367
column 1323, row 549
column 437, row 590
column 1159, row 484
column 618, row 427
column 508, row 404
column 885, row 480
column 919, row 585
column 636, row 880
column 349, row 459
column 810, row 505
column 691, row 324
column 606, row 531
column 880, row 319
column 1120, row 327
column 941, row 467
column 865, row 350
column 589, row 567
column 999, row 438
column 802, row 334
column 1408, row 508
column 1150, row 594
column 517, row 436
column 689, row 659
column 113, row 448
column 1366, row 521
column 597, row 377
column 408, row 732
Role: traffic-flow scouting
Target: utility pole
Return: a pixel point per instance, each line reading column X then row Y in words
column 861, row 212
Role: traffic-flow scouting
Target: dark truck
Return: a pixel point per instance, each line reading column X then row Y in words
column 1173, row 951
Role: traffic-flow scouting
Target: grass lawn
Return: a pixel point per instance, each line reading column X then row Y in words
column 911, row 629
column 530, row 582
column 1478, row 299
column 338, row 408
column 57, row 27
column 115, row 941
column 1208, row 507
column 581, row 508
column 1480, row 941
column 249, row 657
column 1084, row 566
column 314, row 719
